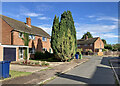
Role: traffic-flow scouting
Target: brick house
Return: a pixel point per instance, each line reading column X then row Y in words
column 87, row 44
column 11, row 43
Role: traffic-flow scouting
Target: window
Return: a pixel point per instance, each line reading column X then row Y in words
column 50, row 50
column 44, row 39
column 31, row 37
column 85, row 45
column 78, row 45
column 90, row 44
column 44, row 49
column 20, row 35
column 32, row 50
column 21, row 53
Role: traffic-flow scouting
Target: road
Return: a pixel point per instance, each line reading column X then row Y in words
column 96, row 71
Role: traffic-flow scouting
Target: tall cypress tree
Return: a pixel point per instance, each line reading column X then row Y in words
column 66, row 36
column 54, row 37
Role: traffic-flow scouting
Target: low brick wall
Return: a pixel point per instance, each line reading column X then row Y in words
column 111, row 53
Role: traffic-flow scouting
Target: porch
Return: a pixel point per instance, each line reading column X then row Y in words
column 13, row 52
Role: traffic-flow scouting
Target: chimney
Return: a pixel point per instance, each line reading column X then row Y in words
column 86, row 37
column 28, row 21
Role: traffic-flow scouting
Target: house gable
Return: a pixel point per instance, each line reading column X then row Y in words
column 6, row 33
column 98, row 44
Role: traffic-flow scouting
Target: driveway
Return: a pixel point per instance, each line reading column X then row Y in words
column 96, row 71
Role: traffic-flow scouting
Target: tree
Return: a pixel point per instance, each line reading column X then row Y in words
column 63, row 40
column 26, row 43
column 55, row 35
column 87, row 34
column 108, row 46
column 116, row 47
column 104, row 41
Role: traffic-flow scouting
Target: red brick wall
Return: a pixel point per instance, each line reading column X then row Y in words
column 97, row 43
column 16, row 39
column 12, row 38
column 6, row 33
column 94, row 46
column 88, row 47
column 37, row 42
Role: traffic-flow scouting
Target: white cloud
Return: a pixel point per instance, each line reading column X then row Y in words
column 44, row 7
column 91, row 16
column 46, row 27
column 107, row 18
column 96, row 30
column 109, row 35
column 26, row 12
column 43, row 18
column 32, row 14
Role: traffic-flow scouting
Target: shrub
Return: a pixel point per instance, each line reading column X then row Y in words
column 39, row 55
column 68, row 60
column 44, row 64
column 104, row 50
column 47, row 55
column 90, row 51
column 79, row 50
column 108, row 46
column 37, row 63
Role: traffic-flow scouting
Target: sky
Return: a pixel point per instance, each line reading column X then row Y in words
column 99, row 18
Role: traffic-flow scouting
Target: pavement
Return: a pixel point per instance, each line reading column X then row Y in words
column 95, row 71
column 39, row 77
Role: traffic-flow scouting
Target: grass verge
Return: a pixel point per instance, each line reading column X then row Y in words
column 15, row 74
column 46, row 69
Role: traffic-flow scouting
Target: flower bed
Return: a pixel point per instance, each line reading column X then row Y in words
column 31, row 63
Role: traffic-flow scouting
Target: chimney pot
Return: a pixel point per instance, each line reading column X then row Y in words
column 28, row 21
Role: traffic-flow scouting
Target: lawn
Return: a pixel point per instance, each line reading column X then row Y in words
column 15, row 74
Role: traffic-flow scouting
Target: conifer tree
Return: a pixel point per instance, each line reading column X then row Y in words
column 63, row 40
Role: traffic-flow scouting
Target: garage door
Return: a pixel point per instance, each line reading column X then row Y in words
column 9, row 54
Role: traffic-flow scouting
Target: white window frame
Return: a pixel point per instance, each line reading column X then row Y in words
column 33, row 51
column 50, row 50
column 21, row 53
column 44, row 39
column 32, row 37
column 78, row 45
column 44, row 49
column 20, row 35
column 91, row 44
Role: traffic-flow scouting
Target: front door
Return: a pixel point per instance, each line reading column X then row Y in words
column 21, row 53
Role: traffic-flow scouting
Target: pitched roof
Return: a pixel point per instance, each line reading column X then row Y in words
column 22, row 27
column 89, row 41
